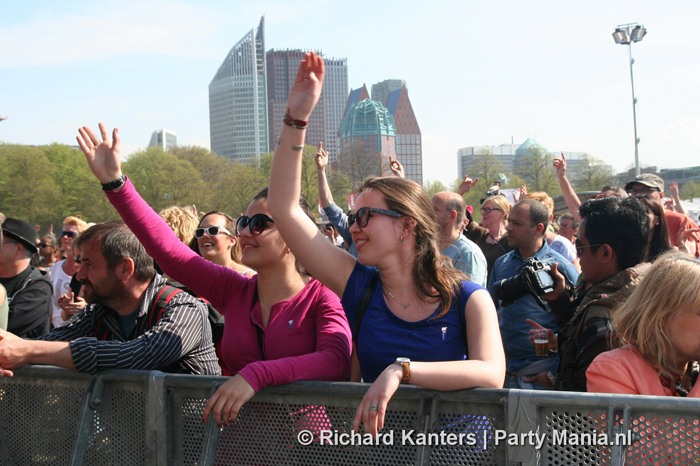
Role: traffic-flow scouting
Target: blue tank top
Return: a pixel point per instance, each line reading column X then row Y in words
column 383, row 337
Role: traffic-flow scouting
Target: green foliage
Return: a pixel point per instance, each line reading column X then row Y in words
column 592, row 174
column 43, row 185
column 434, row 187
column 536, row 169
column 690, row 190
column 486, row 167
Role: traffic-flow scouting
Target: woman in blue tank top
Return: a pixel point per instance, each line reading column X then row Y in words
column 412, row 330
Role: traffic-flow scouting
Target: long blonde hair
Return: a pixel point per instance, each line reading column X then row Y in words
column 430, row 272
column 670, row 287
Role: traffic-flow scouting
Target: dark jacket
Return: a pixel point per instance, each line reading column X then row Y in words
column 29, row 294
column 588, row 332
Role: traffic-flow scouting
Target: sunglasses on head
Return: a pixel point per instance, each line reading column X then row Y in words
column 362, row 215
column 70, row 234
column 211, row 231
column 257, row 223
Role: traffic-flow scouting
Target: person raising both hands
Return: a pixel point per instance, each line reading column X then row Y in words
column 422, row 318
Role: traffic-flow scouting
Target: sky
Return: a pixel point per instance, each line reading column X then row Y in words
column 478, row 73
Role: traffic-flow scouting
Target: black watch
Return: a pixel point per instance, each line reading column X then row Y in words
column 116, row 184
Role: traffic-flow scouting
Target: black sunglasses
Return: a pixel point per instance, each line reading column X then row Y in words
column 362, row 215
column 45, row 245
column 580, row 247
column 211, row 231
column 257, row 223
column 70, row 234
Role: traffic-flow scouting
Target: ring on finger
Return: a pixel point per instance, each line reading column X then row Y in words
column 373, row 407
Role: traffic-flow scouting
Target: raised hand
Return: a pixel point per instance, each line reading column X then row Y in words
column 396, row 167
column 321, row 157
column 466, row 185
column 103, row 157
column 674, row 189
column 560, row 165
column 520, row 193
column 307, row 87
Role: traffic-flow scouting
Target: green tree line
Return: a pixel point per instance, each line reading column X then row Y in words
column 45, row 184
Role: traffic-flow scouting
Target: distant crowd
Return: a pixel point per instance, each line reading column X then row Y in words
column 403, row 288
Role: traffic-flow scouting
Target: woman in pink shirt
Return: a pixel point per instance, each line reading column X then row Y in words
column 659, row 324
column 281, row 324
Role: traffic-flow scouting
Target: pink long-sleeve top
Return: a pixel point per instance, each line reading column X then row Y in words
column 307, row 336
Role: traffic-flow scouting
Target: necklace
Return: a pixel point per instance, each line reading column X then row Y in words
column 405, row 306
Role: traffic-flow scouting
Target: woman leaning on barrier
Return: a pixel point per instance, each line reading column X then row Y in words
column 281, row 324
column 412, row 330
column 659, row 324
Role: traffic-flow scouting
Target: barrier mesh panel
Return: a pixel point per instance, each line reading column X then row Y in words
column 38, row 423
column 190, row 439
column 118, row 429
column 476, row 445
column 575, row 438
column 272, row 434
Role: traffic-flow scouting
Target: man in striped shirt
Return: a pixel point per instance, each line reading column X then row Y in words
column 116, row 329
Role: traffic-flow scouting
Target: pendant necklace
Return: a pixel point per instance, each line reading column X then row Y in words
column 405, row 306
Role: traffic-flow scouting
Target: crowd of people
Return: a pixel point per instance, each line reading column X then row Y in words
column 402, row 289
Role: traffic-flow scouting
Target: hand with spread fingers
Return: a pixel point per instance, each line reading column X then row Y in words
column 103, row 157
column 396, row 167
column 466, row 185
column 307, row 87
column 71, row 304
column 372, row 408
column 227, row 401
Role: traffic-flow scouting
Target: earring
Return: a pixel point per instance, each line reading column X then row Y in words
column 402, row 240
column 288, row 250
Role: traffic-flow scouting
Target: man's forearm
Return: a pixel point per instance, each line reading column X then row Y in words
column 18, row 353
column 324, row 191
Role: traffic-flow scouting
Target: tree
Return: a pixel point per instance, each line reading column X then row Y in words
column 434, row 187
column 690, row 190
column 360, row 162
column 592, row 174
column 535, row 168
column 486, row 167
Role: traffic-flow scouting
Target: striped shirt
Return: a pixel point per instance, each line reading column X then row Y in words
column 179, row 342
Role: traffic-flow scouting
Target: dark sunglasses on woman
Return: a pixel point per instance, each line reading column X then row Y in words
column 362, row 215
column 257, row 223
column 211, row 231
column 70, row 234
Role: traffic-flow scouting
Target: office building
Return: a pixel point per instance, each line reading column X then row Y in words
column 325, row 120
column 367, row 140
column 409, row 144
column 238, row 100
column 381, row 91
column 163, row 138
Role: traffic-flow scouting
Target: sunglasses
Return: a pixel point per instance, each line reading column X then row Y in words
column 362, row 215
column 580, row 247
column 257, row 223
column 70, row 234
column 45, row 245
column 211, row 231
column 486, row 210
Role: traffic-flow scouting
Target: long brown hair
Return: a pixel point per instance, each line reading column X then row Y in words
column 433, row 277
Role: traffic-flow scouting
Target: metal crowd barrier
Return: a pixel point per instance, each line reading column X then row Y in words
column 52, row 416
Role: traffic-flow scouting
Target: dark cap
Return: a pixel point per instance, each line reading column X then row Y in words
column 647, row 179
column 20, row 231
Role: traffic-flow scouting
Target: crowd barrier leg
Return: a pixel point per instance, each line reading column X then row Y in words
column 156, row 434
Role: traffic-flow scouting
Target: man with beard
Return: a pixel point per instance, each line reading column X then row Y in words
column 128, row 322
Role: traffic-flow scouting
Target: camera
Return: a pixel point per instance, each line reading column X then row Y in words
column 534, row 278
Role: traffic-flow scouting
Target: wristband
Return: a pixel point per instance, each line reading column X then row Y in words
column 298, row 124
column 112, row 185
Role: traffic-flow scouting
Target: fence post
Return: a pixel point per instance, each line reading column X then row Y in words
column 523, row 417
column 91, row 398
column 211, row 436
column 156, row 436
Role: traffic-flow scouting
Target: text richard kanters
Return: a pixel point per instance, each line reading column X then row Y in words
column 480, row 439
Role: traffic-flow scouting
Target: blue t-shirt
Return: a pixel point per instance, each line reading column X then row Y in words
column 383, row 337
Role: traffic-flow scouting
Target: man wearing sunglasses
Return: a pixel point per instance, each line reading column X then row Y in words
column 611, row 245
column 28, row 291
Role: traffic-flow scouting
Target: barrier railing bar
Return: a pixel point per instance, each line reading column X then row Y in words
column 156, row 426
column 84, row 428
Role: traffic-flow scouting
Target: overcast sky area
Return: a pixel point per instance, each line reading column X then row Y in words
column 478, row 73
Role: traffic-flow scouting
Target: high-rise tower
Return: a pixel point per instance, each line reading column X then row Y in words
column 324, row 122
column 238, row 100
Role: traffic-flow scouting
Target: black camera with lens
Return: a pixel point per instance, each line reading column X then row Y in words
column 534, row 278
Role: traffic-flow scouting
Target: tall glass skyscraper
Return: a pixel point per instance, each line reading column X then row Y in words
column 238, row 100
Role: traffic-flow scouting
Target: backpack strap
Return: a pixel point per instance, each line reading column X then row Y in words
column 362, row 306
column 162, row 299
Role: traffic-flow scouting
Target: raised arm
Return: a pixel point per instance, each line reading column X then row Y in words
column 174, row 257
column 329, row 264
column 396, row 167
column 324, row 191
column 675, row 195
column 570, row 197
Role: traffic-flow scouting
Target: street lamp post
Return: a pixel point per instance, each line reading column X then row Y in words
column 626, row 34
